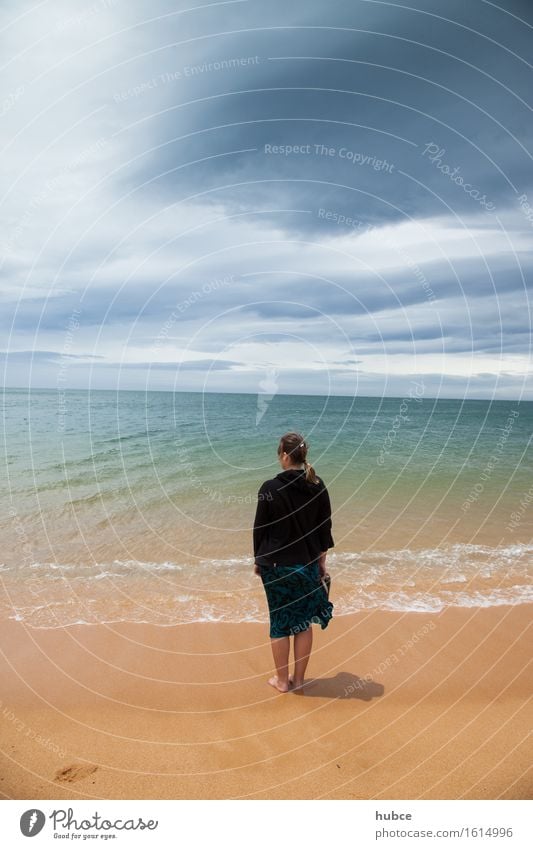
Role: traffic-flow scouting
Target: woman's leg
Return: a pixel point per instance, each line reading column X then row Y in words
column 303, row 642
column 280, row 653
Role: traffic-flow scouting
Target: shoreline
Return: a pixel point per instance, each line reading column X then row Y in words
column 48, row 595
column 399, row 706
column 263, row 623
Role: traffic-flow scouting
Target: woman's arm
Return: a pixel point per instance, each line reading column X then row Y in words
column 324, row 521
column 324, row 529
column 261, row 521
column 322, row 564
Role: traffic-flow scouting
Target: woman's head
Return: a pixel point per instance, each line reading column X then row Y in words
column 294, row 447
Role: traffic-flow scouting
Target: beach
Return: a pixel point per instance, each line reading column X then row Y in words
column 134, row 634
column 400, row 705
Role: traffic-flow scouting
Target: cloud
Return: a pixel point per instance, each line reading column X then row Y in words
column 187, row 365
column 199, row 182
column 45, row 357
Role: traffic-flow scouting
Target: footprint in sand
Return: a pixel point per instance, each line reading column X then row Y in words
column 75, row 772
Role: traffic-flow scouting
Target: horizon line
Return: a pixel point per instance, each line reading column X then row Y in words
column 284, row 394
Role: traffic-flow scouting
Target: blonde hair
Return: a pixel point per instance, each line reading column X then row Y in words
column 296, row 447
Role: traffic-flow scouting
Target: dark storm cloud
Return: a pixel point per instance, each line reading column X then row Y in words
column 363, row 80
column 471, row 295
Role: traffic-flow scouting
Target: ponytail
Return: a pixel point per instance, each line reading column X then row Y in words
column 310, row 474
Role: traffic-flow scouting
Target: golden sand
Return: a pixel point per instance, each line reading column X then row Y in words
column 400, row 706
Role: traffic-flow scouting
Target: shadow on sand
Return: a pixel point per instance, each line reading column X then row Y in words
column 343, row 686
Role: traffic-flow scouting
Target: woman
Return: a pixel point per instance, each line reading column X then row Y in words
column 291, row 536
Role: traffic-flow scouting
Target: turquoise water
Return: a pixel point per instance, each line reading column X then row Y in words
column 139, row 505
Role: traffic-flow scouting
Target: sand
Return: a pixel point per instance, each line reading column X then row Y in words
column 401, row 706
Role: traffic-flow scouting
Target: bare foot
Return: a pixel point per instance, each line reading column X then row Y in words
column 292, row 685
column 283, row 688
column 297, row 687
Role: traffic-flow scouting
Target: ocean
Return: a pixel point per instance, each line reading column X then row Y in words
column 138, row 506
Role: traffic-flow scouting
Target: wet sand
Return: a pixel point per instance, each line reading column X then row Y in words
column 399, row 706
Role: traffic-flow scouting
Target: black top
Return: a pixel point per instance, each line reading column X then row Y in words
column 292, row 521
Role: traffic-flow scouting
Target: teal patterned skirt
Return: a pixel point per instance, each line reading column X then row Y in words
column 296, row 599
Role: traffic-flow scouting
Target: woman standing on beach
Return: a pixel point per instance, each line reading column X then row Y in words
column 291, row 536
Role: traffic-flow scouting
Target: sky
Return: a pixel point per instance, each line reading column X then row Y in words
column 306, row 197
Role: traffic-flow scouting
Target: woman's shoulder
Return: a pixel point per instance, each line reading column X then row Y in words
column 269, row 485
